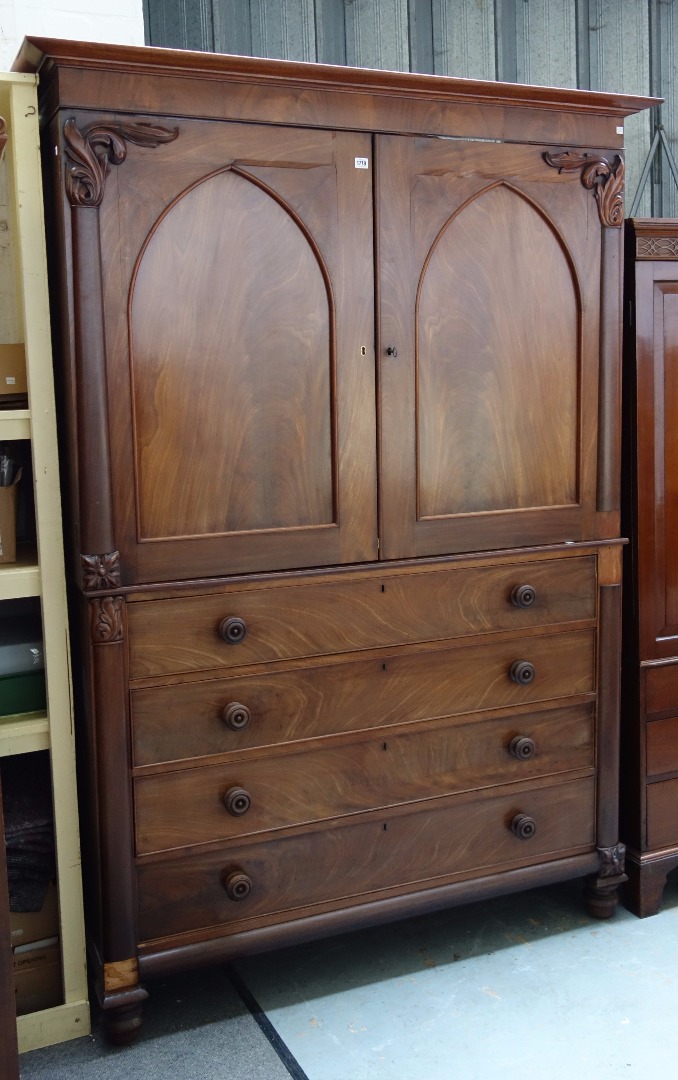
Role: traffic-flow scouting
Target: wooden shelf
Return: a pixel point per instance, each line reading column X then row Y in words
column 20, row 578
column 23, row 733
column 69, row 1021
column 15, row 424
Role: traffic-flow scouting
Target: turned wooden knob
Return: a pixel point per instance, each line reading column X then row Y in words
column 237, row 884
column 523, row 596
column 523, row 826
column 237, row 801
column 522, row 747
column 233, row 630
column 522, row 672
column 236, row 716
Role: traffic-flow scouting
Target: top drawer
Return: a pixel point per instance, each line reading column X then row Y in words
column 320, row 617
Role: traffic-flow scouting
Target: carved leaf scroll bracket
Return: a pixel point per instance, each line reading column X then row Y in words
column 94, row 149
column 3, row 135
column 605, row 179
column 106, row 620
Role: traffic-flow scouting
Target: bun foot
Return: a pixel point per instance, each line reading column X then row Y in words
column 122, row 1025
column 601, row 901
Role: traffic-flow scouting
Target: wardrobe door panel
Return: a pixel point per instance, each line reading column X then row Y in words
column 489, row 408
column 491, row 440
column 657, row 456
column 239, row 325
column 257, row 359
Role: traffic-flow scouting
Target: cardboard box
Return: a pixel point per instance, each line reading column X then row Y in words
column 27, row 927
column 36, row 957
column 37, row 978
column 12, row 369
column 8, row 522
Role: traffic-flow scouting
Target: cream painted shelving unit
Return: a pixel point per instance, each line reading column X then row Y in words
column 40, row 572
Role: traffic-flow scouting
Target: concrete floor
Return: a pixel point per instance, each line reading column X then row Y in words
column 512, row 988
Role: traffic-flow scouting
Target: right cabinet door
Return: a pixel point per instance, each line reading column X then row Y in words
column 489, row 279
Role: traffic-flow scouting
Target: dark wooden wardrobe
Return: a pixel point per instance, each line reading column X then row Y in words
column 340, row 361
column 650, row 700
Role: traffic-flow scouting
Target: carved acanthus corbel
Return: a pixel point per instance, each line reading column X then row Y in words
column 94, row 149
column 106, row 620
column 606, row 180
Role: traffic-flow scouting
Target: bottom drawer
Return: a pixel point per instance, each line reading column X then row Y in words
column 662, row 814
column 378, row 853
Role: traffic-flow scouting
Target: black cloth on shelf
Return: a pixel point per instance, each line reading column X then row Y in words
column 29, row 829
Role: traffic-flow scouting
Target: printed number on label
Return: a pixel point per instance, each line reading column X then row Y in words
column 362, row 163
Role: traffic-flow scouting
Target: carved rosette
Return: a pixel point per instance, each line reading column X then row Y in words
column 100, row 571
column 612, row 860
column 106, row 620
column 606, row 180
column 94, row 149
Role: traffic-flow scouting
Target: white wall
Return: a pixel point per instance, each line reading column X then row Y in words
column 117, row 21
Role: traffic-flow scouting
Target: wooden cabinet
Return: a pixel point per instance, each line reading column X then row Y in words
column 650, row 757
column 38, row 572
column 339, row 357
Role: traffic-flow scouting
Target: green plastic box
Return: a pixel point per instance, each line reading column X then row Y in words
column 22, row 693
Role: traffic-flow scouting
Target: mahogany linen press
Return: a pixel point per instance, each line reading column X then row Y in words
column 339, row 361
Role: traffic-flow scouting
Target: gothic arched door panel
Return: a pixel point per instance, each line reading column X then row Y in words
column 489, row 403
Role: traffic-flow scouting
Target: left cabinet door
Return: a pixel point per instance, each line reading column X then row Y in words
column 237, row 285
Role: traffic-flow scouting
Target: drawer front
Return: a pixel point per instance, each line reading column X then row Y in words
column 662, row 814
column 196, row 719
column 358, row 860
column 221, row 802
column 661, row 689
column 284, row 622
column 662, row 746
